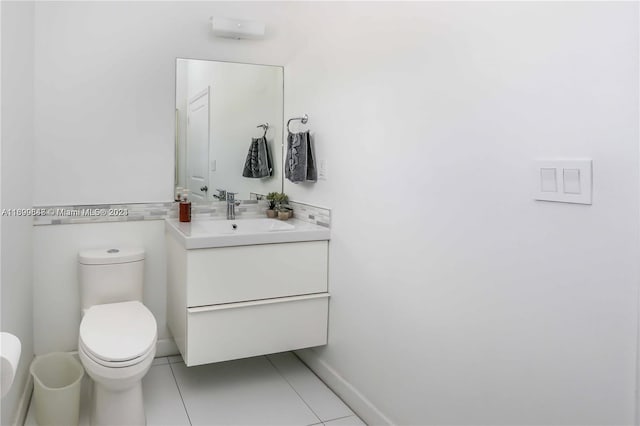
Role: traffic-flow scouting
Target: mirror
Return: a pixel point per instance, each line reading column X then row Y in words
column 222, row 109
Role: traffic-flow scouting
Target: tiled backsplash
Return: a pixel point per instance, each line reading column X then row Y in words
column 313, row 214
column 247, row 208
column 58, row 215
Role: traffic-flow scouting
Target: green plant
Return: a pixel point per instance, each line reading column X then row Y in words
column 282, row 198
column 277, row 199
column 271, row 198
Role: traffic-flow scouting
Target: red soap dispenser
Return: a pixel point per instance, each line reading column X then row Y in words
column 185, row 208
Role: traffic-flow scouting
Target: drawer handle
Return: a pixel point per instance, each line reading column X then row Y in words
column 223, row 306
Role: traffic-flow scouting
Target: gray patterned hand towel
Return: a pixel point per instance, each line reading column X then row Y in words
column 299, row 165
column 258, row 162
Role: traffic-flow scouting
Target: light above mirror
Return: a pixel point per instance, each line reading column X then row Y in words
column 237, row 28
column 221, row 111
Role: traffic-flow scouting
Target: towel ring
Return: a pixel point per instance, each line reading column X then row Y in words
column 265, row 126
column 302, row 119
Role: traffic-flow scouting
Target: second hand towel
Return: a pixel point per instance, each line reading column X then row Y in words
column 258, row 162
column 299, row 162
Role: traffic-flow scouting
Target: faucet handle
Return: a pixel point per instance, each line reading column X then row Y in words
column 222, row 194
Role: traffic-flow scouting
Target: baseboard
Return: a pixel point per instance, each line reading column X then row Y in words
column 23, row 403
column 166, row 347
column 345, row 390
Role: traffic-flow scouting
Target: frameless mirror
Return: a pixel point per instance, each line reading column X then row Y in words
column 222, row 112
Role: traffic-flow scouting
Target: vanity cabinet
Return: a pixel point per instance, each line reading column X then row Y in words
column 235, row 302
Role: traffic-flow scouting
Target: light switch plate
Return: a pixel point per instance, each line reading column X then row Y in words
column 548, row 180
column 573, row 181
column 322, row 170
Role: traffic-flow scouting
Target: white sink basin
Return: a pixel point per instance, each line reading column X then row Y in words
column 207, row 233
column 243, row 226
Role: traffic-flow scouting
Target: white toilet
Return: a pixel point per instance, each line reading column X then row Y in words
column 118, row 333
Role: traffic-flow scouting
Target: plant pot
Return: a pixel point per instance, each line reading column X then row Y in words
column 271, row 213
column 283, row 215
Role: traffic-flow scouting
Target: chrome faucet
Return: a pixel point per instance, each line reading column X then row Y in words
column 221, row 196
column 231, row 205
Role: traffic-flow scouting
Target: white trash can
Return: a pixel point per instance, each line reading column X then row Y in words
column 56, row 388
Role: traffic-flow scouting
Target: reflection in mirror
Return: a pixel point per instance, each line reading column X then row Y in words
column 221, row 108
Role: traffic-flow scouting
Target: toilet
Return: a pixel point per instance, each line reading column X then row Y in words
column 118, row 334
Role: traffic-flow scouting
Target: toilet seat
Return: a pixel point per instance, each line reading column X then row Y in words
column 118, row 334
column 116, row 364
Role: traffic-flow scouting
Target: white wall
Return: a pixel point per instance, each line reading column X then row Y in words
column 456, row 298
column 17, row 189
column 57, row 291
column 105, row 84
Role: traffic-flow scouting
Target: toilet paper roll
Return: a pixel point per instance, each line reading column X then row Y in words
column 9, row 357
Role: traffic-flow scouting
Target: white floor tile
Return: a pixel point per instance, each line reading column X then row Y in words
column 324, row 403
column 162, row 402
column 242, row 392
column 175, row 358
column 346, row 421
column 160, row 361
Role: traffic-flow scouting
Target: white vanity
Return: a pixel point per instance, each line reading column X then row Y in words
column 246, row 287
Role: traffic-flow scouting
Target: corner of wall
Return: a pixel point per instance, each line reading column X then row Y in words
column 17, row 129
column 359, row 403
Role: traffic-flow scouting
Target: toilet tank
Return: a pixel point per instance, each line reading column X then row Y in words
column 110, row 275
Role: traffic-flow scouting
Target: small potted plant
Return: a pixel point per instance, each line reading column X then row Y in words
column 276, row 201
column 272, row 198
column 284, row 212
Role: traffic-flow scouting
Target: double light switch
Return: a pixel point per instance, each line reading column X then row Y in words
column 565, row 181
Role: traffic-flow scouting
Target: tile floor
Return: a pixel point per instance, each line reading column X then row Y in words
column 268, row 390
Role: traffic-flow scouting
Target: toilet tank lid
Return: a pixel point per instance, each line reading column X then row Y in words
column 110, row 255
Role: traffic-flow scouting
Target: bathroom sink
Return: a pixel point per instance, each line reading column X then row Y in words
column 207, row 233
column 243, row 226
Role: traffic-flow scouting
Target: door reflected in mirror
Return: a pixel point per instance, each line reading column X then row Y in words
column 229, row 119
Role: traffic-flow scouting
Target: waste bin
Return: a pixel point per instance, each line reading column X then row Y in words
column 56, row 388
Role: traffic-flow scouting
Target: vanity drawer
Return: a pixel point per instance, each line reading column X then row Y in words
column 244, row 273
column 241, row 330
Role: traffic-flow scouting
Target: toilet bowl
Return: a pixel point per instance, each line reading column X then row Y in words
column 117, row 344
column 117, row 339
